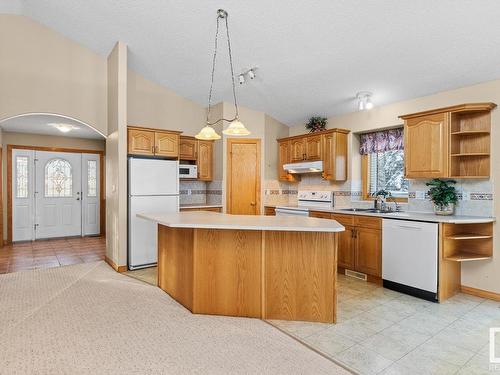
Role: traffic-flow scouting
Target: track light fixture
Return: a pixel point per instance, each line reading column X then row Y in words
column 364, row 100
column 250, row 73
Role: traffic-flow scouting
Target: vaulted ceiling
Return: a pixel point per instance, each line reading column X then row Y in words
column 313, row 56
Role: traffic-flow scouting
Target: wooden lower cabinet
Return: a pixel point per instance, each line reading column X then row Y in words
column 360, row 246
column 345, row 253
column 368, row 251
column 212, row 209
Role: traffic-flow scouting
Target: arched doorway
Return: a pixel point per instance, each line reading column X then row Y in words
column 54, row 179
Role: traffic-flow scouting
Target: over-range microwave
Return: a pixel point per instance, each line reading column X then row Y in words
column 188, row 171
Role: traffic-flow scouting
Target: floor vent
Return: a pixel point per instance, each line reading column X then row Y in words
column 356, row 275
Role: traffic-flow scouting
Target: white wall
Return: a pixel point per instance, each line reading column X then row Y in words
column 481, row 274
column 43, row 71
column 116, row 157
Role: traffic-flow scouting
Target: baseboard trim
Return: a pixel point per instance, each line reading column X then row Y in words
column 480, row 293
column 113, row 265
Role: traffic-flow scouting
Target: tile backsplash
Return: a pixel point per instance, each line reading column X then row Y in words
column 475, row 196
column 200, row 192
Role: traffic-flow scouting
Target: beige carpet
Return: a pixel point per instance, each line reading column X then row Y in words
column 88, row 319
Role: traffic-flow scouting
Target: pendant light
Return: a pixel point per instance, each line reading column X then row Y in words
column 235, row 126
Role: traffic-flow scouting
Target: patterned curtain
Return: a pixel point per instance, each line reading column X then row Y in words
column 385, row 140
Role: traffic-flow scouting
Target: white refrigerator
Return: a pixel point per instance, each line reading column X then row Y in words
column 153, row 187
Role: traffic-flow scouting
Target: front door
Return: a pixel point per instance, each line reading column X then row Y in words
column 243, row 193
column 58, row 194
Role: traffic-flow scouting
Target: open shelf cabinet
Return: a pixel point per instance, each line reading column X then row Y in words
column 467, row 242
column 470, row 144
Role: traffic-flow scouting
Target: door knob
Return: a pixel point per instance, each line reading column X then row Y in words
column 252, row 203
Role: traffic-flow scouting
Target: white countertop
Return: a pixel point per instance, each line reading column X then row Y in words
column 420, row 216
column 409, row 215
column 214, row 220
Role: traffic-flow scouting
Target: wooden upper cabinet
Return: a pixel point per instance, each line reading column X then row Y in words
column 449, row 142
column 297, row 150
column 313, row 147
column 167, row 144
column 329, row 146
column 152, row 142
column 283, row 150
column 187, row 148
column 141, row 142
column 368, row 251
column 205, row 155
column 426, row 146
column 334, row 150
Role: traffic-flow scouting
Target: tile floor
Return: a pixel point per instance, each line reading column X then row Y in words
column 51, row 253
column 148, row 275
column 380, row 331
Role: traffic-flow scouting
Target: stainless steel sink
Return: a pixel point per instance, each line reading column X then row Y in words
column 357, row 209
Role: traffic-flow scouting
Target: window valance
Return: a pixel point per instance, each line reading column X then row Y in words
column 381, row 141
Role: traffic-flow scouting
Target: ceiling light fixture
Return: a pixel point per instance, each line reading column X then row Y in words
column 64, row 128
column 364, row 100
column 250, row 73
column 235, row 126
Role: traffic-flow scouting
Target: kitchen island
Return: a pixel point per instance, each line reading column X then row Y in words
column 264, row 267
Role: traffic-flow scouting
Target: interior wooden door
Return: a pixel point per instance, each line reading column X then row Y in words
column 313, row 147
column 368, row 251
column 426, row 146
column 141, row 142
column 166, row 144
column 243, row 176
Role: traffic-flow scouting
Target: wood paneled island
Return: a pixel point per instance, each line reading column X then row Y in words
column 268, row 267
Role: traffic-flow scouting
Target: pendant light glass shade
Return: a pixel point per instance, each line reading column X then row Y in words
column 207, row 133
column 236, row 128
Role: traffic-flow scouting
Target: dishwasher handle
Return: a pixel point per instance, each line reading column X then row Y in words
column 409, row 227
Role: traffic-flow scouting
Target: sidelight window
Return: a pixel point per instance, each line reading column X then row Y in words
column 92, row 178
column 21, row 177
column 58, row 179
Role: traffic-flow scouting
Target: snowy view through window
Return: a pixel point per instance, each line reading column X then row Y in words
column 387, row 172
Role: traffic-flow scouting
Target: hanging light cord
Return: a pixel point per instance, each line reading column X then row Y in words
column 222, row 14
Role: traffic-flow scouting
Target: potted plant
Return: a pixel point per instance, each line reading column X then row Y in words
column 443, row 195
column 316, row 124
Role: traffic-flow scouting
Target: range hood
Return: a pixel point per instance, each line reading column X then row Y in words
column 304, row 167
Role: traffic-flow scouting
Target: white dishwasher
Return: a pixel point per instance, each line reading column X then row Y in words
column 410, row 257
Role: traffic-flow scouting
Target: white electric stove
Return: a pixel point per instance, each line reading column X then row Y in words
column 308, row 200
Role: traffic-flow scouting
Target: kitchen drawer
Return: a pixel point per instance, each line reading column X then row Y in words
column 269, row 211
column 368, row 222
column 320, row 215
column 344, row 219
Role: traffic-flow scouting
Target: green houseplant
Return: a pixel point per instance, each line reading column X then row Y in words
column 316, row 124
column 443, row 195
